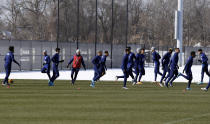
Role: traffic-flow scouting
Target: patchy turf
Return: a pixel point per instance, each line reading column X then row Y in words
column 33, row 102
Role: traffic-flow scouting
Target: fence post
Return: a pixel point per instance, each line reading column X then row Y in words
column 78, row 22
column 112, row 28
column 96, row 28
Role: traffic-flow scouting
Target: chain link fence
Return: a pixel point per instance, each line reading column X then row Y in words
column 29, row 53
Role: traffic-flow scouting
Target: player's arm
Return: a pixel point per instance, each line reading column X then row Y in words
column 94, row 60
column 204, row 59
column 71, row 60
column 13, row 59
column 83, row 63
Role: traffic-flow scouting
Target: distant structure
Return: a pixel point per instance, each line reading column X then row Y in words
column 179, row 29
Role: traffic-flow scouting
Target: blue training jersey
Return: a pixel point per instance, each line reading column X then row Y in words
column 103, row 62
column 9, row 58
column 96, row 62
column 55, row 59
column 189, row 64
column 47, row 61
column 204, row 58
column 131, row 58
column 155, row 57
column 174, row 61
column 140, row 59
column 166, row 59
column 124, row 62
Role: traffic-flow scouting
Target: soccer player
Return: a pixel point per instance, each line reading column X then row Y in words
column 165, row 62
column 56, row 61
column 103, row 67
column 97, row 72
column 130, row 65
column 173, row 68
column 124, row 68
column 46, row 64
column 9, row 58
column 204, row 61
column 77, row 61
column 187, row 70
column 139, row 65
column 156, row 57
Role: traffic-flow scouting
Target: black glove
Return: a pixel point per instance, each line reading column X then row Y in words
column 62, row 61
column 183, row 71
column 67, row 66
column 200, row 61
column 178, row 67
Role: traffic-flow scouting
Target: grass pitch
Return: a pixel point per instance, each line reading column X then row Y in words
column 33, row 102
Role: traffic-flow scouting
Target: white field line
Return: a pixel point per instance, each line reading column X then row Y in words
column 187, row 119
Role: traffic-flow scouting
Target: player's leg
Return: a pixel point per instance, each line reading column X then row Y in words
column 169, row 78
column 75, row 76
column 158, row 70
column 174, row 77
column 190, row 77
column 206, row 71
column 207, row 87
column 164, row 74
column 44, row 70
column 202, row 74
column 72, row 75
column 126, row 75
column 130, row 73
column 137, row 75
column 8, row 71
column 155, row 72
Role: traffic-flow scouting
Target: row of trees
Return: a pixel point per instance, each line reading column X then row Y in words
column 150, row 21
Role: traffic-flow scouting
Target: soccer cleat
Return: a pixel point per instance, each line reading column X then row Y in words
column 92, row 84
column 171, row 85
column 204, row 89
column 51, row 84
column 3, row 84
column 166, row 84
column 139, row 83
column 125, row 88
column 188, row 89
column 160, row 84
column 200, row 83
column 116, row 78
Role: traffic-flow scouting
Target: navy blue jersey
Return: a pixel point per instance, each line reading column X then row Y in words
column 174, row 61
column 166, row 59
column 140, row 59
column 131, row 58
column 55, row 59
column 9, row 58
column 204, row 58
column 155, row 57
column 47, row 61
column 96, row 61
column 189, row 64
column 103, row 61
column 124, row 62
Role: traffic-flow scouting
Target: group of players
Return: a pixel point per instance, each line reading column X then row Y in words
column 130, row 63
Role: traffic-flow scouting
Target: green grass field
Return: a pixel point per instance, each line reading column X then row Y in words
column 33, row 102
